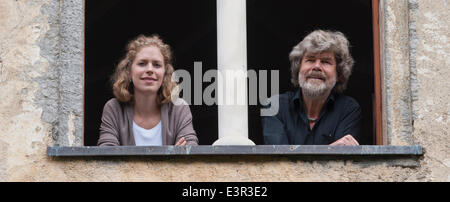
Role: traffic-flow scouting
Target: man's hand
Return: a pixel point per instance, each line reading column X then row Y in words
column 181, row 142
column 347, row 140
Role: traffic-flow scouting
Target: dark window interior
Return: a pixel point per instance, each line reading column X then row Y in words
column 189, row 27
column 273, row 28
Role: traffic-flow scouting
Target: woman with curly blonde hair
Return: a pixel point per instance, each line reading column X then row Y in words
column 142, row 112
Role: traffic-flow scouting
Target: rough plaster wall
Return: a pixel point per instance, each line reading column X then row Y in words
column 234, row 169
column 30, row 88
column 23, row 134
column 432, row 106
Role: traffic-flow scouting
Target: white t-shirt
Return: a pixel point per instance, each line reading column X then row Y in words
column 144, row 137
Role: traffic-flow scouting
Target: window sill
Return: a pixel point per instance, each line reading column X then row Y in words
column 290, row 150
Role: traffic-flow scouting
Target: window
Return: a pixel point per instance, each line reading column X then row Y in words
column 99, row 64
column 190, row 28
column 274, row 28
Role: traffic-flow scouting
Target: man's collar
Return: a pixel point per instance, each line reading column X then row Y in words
column 298, row 97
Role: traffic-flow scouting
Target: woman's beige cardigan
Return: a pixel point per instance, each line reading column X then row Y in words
column 116, row 128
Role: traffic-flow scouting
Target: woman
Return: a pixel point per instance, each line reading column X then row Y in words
column 142, row 112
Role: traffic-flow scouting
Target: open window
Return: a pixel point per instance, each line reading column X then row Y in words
column 191, row 31
column 189, row 27
column 274, row 28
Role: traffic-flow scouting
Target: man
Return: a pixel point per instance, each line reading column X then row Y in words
column 317, row 113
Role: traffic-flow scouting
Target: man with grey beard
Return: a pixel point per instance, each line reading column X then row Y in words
column 317, row 113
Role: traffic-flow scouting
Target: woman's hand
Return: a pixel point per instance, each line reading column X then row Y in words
column 181, row 142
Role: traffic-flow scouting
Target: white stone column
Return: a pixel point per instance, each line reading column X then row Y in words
column 232, row 62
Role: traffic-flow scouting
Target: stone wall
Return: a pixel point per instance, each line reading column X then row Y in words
column 41, row 90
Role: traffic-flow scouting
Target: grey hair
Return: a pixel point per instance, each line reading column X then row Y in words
column 319, row 41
